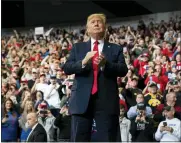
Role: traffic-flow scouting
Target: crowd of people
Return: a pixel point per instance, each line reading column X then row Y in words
column 33, row 81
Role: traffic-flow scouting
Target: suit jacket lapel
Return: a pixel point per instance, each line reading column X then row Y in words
column 105, row 50
column 88, row 46
column 30, row 137
column 31, row 134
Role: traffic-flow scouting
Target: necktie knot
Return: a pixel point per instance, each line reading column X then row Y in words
column 96, row 42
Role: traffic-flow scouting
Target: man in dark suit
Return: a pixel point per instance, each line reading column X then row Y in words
column 38, row 133
column 96, row 65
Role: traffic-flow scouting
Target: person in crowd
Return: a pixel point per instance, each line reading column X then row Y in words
column 9, row 122
column 63, row 122
column 132, row 112
column 38, row 133
column 170, row 101
column 158, row 78
column 141, row 126
column 153, row 98
column 52, row 96
column 26, row 95
column 22, row 120
column 46, row 119
column 169, row 130
column 141, row 62
column 40, row 84
column 132, row 91
column 38, row 99
column 125, row 125
column 91, row 100
column 31, row 82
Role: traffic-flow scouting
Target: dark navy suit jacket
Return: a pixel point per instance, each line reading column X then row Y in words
column 107, row 78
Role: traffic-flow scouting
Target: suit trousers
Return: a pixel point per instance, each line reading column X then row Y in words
column 107, row 125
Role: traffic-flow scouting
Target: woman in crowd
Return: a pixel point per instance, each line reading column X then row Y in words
column 9, row 122
column 22, row 120
column 26, row 95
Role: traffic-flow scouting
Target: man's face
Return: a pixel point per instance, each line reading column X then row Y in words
column 145, row 59
column 158, row 68
column 153, row 89
column 134, row 83
column 122, row 111
column 53, row 81
column 42, row 78
column 95, row 26
column 178, row 58
column 172, row 99
column 168, row 114
column 31, row 120
column 141, row 42
column 34, row 75
column 139, row 98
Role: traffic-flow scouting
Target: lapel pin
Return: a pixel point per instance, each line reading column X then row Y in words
column 108, row 46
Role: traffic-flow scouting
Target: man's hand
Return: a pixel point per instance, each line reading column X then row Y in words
column 137, row 119
column 169, row 129
column 100, row 61
column 49, row 114
column 88, row 56
column 143, row 119
column 162, row 128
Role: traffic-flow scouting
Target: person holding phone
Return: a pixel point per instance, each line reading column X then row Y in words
column 46, row 119
column 169, row 130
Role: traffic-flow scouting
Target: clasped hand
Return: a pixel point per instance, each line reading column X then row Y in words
column 100, row 60
column 169, row 129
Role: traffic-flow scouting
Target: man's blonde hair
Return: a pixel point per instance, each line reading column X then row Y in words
column 100, row 15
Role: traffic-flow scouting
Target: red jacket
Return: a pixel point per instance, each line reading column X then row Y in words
column 161, row 81
column 167, row 53
column 141, row 65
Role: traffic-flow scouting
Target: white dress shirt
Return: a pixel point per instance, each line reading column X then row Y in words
column 31, row 131
column 100, row 45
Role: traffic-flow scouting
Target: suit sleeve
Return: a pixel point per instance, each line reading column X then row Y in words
column 72, row 66
column 117, row 69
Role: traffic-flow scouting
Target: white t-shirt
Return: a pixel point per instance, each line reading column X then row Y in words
column 54, row 99
column 42, row 87
column 167, row 136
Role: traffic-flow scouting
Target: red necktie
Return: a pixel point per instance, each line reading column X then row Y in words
column 95, row 67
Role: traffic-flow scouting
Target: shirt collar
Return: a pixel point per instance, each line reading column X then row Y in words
column 93, row 40
column 34, row 126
